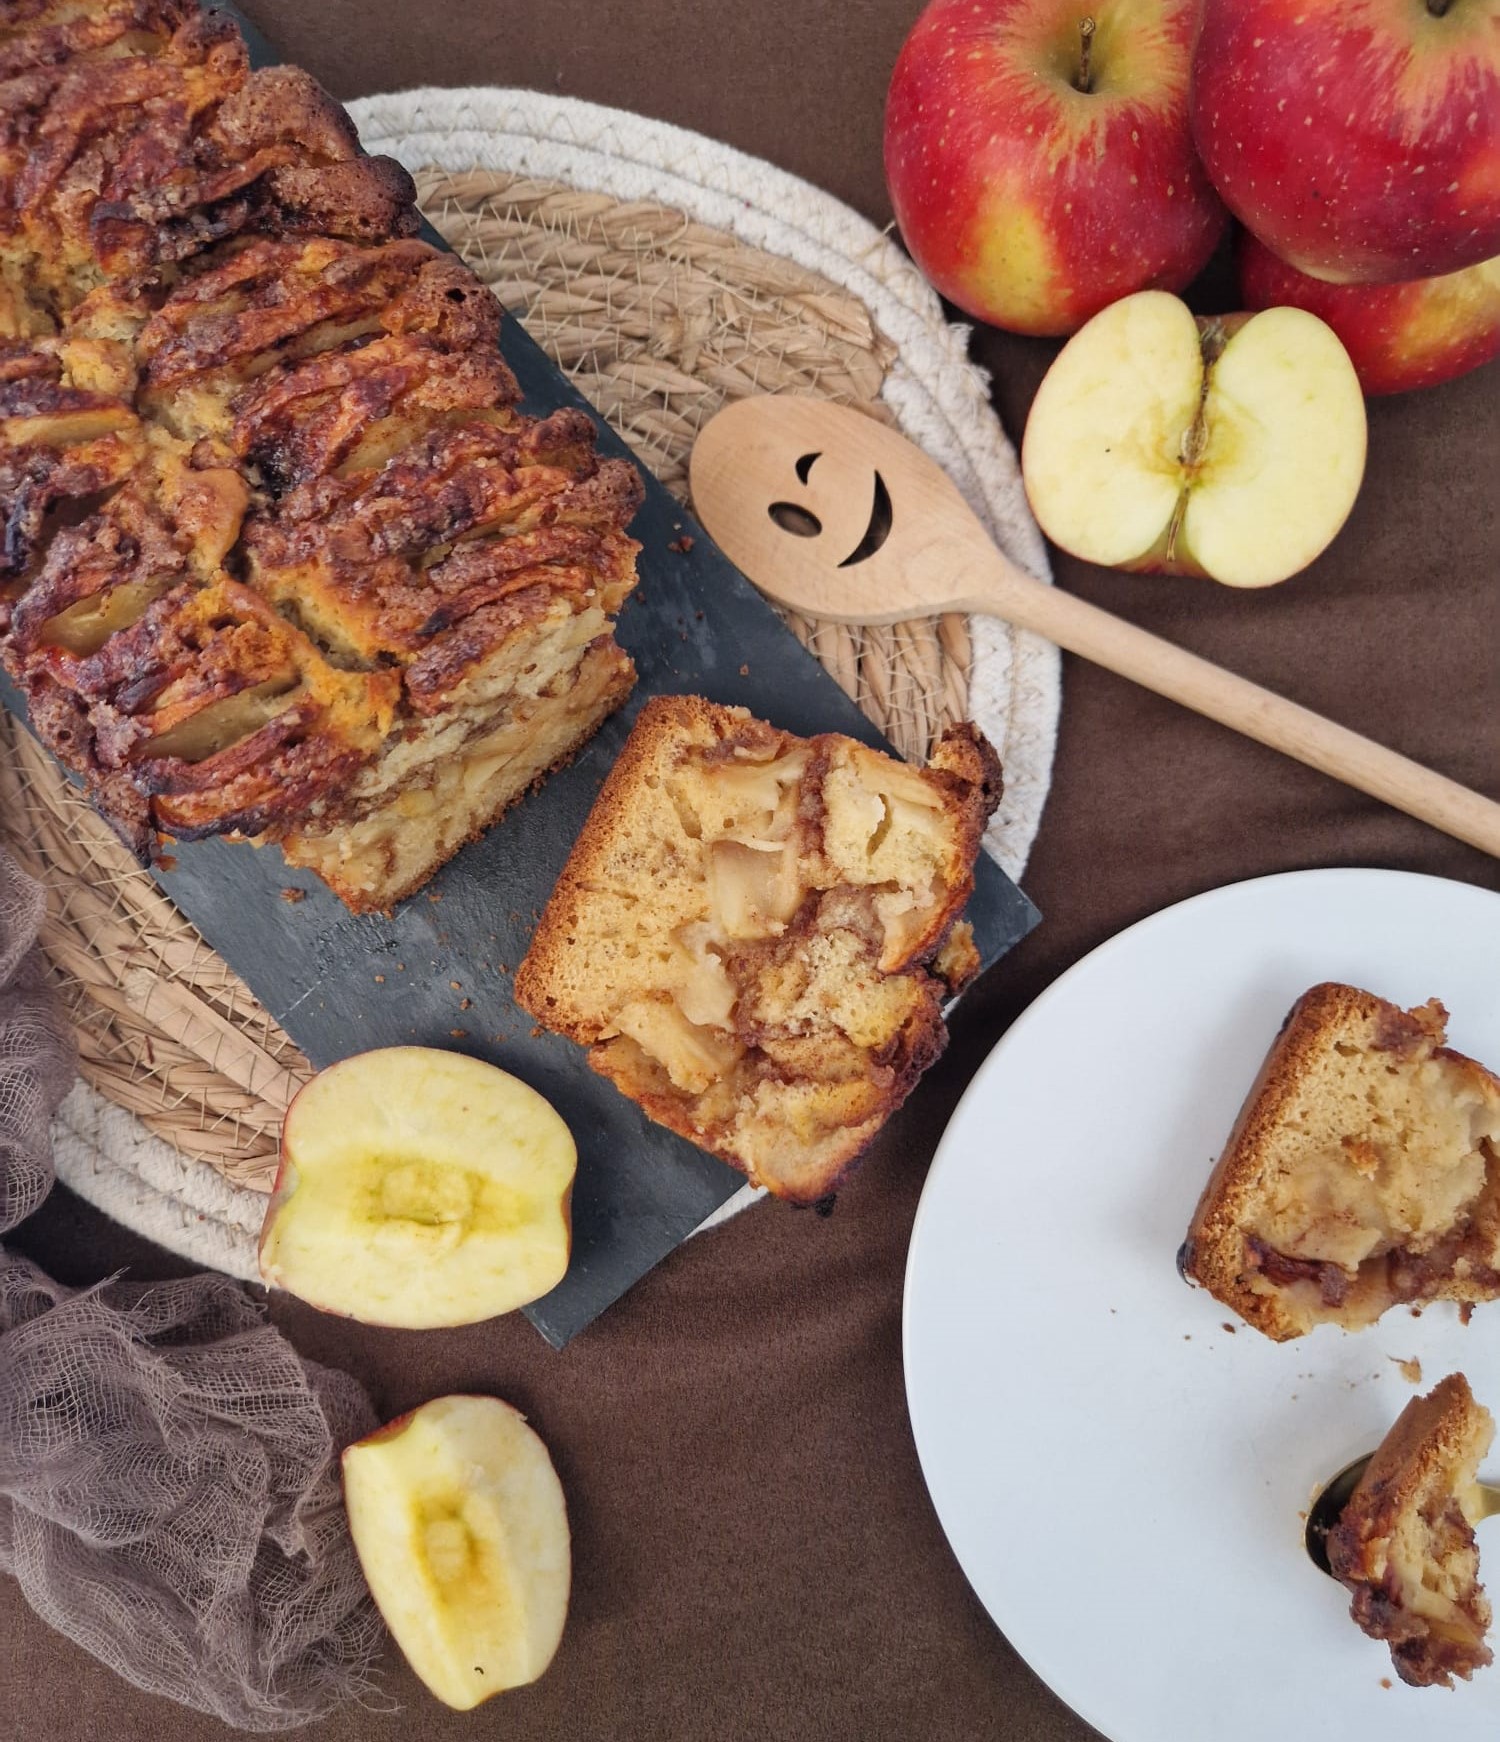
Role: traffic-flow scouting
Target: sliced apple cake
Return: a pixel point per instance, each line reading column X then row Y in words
column 756, row 933
column 280, row 557
column 1363, row 1171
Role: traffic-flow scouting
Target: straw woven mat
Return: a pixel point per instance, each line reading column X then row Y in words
column 659, row 317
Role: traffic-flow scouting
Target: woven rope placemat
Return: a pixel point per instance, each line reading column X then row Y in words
column 659, row 317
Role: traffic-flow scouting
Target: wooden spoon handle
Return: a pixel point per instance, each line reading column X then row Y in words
column 1233, row 701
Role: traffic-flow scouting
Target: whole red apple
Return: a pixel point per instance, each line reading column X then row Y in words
column 1359, row 139
column 1039, row 156
column 1398, row 336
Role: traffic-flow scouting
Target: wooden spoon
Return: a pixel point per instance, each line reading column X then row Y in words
column 797, row 492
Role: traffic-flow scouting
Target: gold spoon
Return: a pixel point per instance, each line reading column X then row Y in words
column 1327, row 1509
column 837, row 516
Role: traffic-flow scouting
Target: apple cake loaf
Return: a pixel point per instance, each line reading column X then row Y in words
column 280, row 555
column 1404, row 1544
column 755, row 933
column 1363, row 1171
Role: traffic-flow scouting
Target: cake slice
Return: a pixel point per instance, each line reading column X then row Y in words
column 1404, row 1545
column 1364, row 1170
column 755, row 933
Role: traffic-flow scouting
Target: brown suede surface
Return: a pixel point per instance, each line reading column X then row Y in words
column 755, row 1554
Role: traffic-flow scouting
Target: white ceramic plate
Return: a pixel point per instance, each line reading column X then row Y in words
column 1121, row 1467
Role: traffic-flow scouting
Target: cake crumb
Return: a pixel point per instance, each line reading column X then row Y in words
column 1411, row 1370
column 1228, row 1327
column 455, row 986
column 293, row 896
column 681, row 545
column 459, row 1033
column 380, row 979
column 466, row 1003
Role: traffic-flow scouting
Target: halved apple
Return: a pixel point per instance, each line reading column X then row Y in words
column 1230, row 447
column 419, row 1188
column 459, row 1522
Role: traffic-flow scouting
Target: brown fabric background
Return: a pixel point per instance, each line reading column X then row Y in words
column 755, row 1555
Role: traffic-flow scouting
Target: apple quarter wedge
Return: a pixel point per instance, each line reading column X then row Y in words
column 461, row 1528
column 1230, row 447
column 419, row 1188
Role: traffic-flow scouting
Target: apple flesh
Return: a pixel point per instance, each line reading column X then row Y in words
column 1398, row 336
column 460, row 1525
column 419, row 1188
column 1230, row 448
column 1358, row 139
column 1039, row 156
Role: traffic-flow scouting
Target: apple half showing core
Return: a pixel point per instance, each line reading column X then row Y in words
column 419, row 1188
column 460, row 1525
column 1230, row 447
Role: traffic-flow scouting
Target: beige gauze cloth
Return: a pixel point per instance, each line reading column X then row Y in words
column 169, row 1493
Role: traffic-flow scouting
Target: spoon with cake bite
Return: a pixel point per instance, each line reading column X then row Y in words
column 1396, row 1529
column 1329, row 1506
column 837, row 516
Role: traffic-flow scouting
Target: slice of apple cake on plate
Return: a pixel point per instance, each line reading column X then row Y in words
column 1363, row 1171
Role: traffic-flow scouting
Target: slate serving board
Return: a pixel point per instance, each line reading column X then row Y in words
column 438, row 971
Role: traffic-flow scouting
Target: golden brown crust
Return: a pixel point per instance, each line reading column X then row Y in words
column 1307, row 1081
column 1404, row 1544
column 42, row 33
column 753, row 930
column 275, row 544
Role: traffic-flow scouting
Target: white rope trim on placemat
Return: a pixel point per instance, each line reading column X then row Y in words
column 113, row 1162
column 938, row 397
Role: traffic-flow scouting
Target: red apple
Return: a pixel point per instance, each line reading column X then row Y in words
column 1039, row 156
column 1358, row 139
column 1398, row 336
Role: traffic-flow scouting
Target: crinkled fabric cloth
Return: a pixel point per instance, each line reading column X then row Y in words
column 169, row 1491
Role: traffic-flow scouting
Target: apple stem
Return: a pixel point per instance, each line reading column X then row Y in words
column 1084, row 81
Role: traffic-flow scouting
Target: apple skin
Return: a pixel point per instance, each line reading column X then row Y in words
column 1358, row 139
column 1398, row 336
column 1025, row 201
